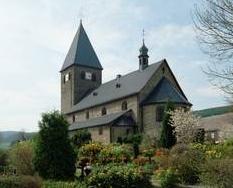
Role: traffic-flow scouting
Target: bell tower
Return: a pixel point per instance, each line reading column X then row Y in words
column 143, row 55
column 81, row 71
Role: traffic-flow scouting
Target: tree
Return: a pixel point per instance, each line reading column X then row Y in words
column 21, row 157
column 135, row 140
column 81, row 137
column 185, row 125
column 54, row 155
column 167, row 138
column 214, row 28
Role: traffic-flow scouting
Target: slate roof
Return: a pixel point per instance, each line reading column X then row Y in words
column 81, row 52
column 99, row 121
column 165, row 91
column 130, row 84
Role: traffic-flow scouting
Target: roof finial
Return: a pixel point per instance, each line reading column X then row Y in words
column 80, row 21
column 143, row 36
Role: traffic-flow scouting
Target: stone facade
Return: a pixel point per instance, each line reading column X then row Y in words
column 113, row 107
column 76, row 87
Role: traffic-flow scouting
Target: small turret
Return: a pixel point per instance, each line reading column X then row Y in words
column 143, row 56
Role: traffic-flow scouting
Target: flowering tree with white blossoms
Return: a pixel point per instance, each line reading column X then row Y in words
column 185, row 124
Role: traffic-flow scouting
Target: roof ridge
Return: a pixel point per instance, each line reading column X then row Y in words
column 127, row 74
column 132, row 83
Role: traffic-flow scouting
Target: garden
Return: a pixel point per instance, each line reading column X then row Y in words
column 181, row 156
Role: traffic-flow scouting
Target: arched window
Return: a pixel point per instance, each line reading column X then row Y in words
column 124, row 105
column 73, row 118
column 87, row 114
column 93, row 77
column 83, row 75
column 103, row 111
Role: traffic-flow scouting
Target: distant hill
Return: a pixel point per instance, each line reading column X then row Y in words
column 214, row 111
column 8, row 137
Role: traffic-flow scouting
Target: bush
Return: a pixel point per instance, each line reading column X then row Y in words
column 149, row 153
column 54, row 155
column 21, row 157
column 114, row 153
column 187, row 162
column 167, row 137
column 20, row 181
column 135, row 140
column 120, row 176
column 62, row 184
column 91, row 151
column 3, row 158
column 218, row 173
column 167, row 178
column 81, row 137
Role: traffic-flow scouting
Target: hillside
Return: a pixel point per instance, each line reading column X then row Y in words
column 214, row 111
column 8, row 137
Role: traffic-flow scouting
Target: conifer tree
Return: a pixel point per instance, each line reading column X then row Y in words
column 54, row 155
column 167, row 138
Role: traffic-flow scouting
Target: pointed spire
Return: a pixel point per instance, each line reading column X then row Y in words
column 81, row 51
column 143, row 56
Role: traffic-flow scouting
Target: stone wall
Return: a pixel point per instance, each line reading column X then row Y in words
column 112, row 107
column 76, row 88
column 66, row 91
column 120, row 132
column 105, row 137
column 150, row 126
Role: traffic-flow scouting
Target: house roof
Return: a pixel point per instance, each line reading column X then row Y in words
column 98, row 121
column 81, row 52
column 130, row 84
column 165, row 91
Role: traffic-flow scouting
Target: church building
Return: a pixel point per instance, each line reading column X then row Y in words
column 117, row 108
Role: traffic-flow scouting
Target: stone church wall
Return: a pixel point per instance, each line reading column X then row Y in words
column 120, row 132
column 104, row 137
column 150, row 125
column 112, row 107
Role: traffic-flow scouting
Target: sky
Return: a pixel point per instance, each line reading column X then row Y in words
column 36, row 35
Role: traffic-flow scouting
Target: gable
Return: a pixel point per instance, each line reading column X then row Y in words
column 164, row 92
column 163, row 71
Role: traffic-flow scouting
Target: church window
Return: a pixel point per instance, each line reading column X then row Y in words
column 100, row 130
column 93, row 77
column 83, row 75
column 159, row 113
column 67, row 77
column 103, row 111
column 124, row 105
column 73, row 118
column 87, row 114
column 88, row 76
